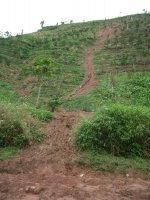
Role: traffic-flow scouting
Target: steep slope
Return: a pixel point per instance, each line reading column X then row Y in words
column 63, row 44
column 51, row 170
column 122, row 67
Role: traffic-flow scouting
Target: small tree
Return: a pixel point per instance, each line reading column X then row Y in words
column 7, row 34
column 42, row 67
column 42, row 23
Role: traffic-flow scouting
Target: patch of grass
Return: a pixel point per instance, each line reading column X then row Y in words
column 7, row 93
column 8, row 152
column 108, row 163
column 126, row 88
column 42, row 115
column 18, row 127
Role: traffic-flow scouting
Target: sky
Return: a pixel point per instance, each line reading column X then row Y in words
column 16, row 15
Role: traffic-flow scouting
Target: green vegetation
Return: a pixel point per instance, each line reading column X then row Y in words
column 118, row 129
column 122, row 128
column 128, row 49
column 42, row 115
column 54, row 103
column 109, row 163
column 43, row 66
column 20, row 122
column 17, row 127
column 64, row 45
column 7, row 152
column 126, row 88
column 46, row 65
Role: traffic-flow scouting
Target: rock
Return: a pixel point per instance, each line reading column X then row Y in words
column 33, row 189
column 81, row 175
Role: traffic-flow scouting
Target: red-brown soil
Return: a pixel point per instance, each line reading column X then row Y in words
column 49, row 171
column 89, row 81
column 25, row 92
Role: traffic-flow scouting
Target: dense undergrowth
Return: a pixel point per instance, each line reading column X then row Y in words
column 17, row 127
column 118, row 129
column 20, row 122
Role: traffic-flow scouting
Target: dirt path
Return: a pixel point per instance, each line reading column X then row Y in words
column 89, row 81
column 49, row 171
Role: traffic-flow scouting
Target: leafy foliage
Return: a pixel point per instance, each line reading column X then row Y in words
column 118, row 129
column 17, row 127
column 42, row 115
column 54, row 102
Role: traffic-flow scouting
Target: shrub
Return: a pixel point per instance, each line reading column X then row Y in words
column 118, row 129
column 17, row 127
column 42, row 115
column 54, row 102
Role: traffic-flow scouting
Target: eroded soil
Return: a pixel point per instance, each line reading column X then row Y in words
column 90, row 81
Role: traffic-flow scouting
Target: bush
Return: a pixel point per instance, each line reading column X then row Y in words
column 17, row 127
column 118, row 129
column 54, row 102
column 42, row 115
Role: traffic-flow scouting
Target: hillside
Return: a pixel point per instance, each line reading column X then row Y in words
column 75, row 111
column 63, row 44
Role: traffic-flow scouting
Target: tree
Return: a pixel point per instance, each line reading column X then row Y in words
column 42, row 67
column 42, row 23
column 7, row 34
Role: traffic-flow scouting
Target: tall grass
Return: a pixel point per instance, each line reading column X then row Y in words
column 17, row 126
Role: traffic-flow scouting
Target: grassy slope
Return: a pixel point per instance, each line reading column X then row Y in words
column 64, row 44
column 127, row 51
column 120, row 67
column 123, row 70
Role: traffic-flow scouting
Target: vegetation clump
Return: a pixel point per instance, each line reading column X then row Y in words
column 118, row 129
column 42, row 115
column 17, row 127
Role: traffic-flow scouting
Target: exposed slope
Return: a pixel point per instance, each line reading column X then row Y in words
column 49, row 170
column 90, row 80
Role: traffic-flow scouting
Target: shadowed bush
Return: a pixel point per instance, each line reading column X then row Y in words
column 17, row 127
column 118, row 129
